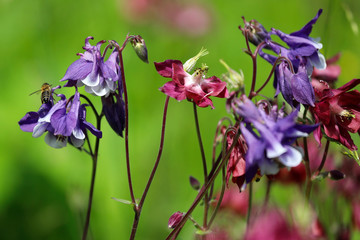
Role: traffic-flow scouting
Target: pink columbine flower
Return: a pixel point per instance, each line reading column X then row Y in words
column 193, row 87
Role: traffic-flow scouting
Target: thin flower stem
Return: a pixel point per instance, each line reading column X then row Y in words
column 267, row 194
column 249, row 205
column 308, row 171
column 206, row 200
column 324, row 157
column 215, row 143
column 141, row 203
column 91, row 193
column 212, row 175
column 221, row 196
column 272, row 72
column 91, row 105
column 126, row 102
column 307, row 164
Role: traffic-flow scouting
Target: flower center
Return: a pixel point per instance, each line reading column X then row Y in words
column 60, row 138
column 199, row 73
column 346, row 115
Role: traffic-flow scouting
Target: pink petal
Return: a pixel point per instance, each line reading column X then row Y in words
column 215, row 87
column 165, row 68
column 174, row 90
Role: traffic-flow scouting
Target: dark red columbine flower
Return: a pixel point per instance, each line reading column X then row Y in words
column 194, row 87
column 338, row 110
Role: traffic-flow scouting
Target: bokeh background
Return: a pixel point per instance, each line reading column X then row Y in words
column 43, row 191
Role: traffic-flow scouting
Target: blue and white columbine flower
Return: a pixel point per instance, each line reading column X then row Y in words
column 271, row 147
column 60, row 122
column 99, row 77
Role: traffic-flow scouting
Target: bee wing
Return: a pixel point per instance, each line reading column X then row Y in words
column 35, row 92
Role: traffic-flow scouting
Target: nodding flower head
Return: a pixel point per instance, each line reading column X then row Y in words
column 98, row 76
column 63, row 122
column 272, row 147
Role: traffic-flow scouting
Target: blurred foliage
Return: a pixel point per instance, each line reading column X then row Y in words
column 43, row 191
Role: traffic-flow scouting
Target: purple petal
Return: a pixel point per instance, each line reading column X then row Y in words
column 284, row 85
column 302, row 89
column 306, row 30
column 78, row 70
column 29, row 121
column 92, row 129
column 107, row 72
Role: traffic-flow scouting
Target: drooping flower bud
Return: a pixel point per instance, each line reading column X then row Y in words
column 175, row 219
column 234, row 79
column 195, row 184
column 190, row 64
column 138, row 43
column 257, row 33
column 114, row 111
column 336, row 175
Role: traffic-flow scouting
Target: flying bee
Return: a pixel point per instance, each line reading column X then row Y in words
column 45, row 93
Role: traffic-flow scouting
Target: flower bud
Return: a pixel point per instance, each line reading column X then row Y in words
column 114, row 111
column 336, row 175
column 138, row 43
column 256, row 32
column 234, row 79
column 195, row 184
column 190, row 64
column 175, row 219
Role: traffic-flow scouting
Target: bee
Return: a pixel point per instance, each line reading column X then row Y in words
column 45, row 93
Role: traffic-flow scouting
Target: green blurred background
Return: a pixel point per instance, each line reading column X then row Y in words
column 43, row 191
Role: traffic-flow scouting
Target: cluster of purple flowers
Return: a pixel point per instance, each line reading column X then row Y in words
column 65, row 120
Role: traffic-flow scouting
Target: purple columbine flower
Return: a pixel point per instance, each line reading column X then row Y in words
column 272, row 147
column 303, row 53
column 302, row 45
column 99, row 77
column 60, row 122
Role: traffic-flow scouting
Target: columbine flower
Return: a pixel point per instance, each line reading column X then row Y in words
column 60, row 122
column 302, row 45
column 99, row 77
column 193, row 87
column 338, row 111
column 272, row 148
column 294, row 81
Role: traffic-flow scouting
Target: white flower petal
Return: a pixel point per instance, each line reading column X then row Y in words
column 52, row 141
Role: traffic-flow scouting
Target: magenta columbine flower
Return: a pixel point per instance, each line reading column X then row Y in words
column 61, row 122
column 272, row 147
column 193, row 87
column 99, row 77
